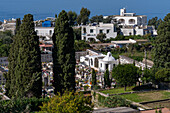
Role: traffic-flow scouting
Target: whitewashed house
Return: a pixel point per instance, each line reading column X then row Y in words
column 4, row 61
column 99, row 61
column 45, row 32
column 89, row 32
column 132, row 24
column 130, row 19
column 142, row 64
column 9, row 25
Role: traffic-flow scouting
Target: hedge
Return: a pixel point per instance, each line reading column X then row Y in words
column 21, row 105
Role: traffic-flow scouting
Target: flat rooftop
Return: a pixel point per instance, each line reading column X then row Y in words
column 121, row 42
column 130, row 16
column 116, row 110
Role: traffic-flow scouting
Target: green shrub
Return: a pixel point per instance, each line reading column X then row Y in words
column 97, row 87
column 101, row 99
column 21, row 105
column 85, row 88
column 69, row 102
column 138, row 58
column 115, row 101
column 81, row 45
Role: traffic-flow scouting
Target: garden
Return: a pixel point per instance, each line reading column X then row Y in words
column 147, row 96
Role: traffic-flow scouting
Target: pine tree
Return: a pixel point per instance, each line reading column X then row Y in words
column 83, row 18
column 63, row 54
column 94, row 82
column 162, row 45
column 24, row 76
column 107, row 81
column 161, row 51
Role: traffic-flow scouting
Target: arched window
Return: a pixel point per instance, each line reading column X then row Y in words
column 91, row 62
column 122, row 21
column 37, row 31
column 91, row 39
column 84, row 38
column 50, row 32
column 131, row 21
column 84, row 30
column 96, row 63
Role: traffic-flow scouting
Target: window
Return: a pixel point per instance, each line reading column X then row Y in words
column 91, row 30
column 37, row 31
column 84, row 38
column 96, row 62
column 131, row 21
column 108, row 30
column 113, row 65
column 84, row 30
column 121, row 21
column 91, row 62
column 100, row 64
column 50, row 32
column 100, row 31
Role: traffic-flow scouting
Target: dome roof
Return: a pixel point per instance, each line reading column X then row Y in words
column 109, row 57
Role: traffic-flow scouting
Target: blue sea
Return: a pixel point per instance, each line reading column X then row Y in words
column 48, row 8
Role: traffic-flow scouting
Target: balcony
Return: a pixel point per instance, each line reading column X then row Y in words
column 91, row 34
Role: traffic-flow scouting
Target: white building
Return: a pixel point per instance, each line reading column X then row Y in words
column 132, row 24
column 46, row 52
column 4, row 61
column 89, row 32
column 99, row 61
column 130, row 19
column 9, row 25
column 44, row 31
column 142, row 65
column 2, row 71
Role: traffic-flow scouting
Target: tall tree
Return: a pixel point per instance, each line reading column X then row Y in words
column 84, row 16
column 63, row 54
column 77, row 33
column 107, row 20
column 107, row 81
column 101, row 37
column 125, row 74
column 24, row 77
column 10, row 76
column 72, row 16
column 94, row 82
column 96, row 19
column 163, row 75
column 100, row 19
column 5, row 41
column 162, row 45
column 18, row 23
column 155, row 22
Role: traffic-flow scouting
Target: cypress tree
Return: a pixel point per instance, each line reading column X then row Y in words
column 94, row 82
column 107, row 81
column 18, row 23
column 10, row 77
column 63, row 54
column 24, row 77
